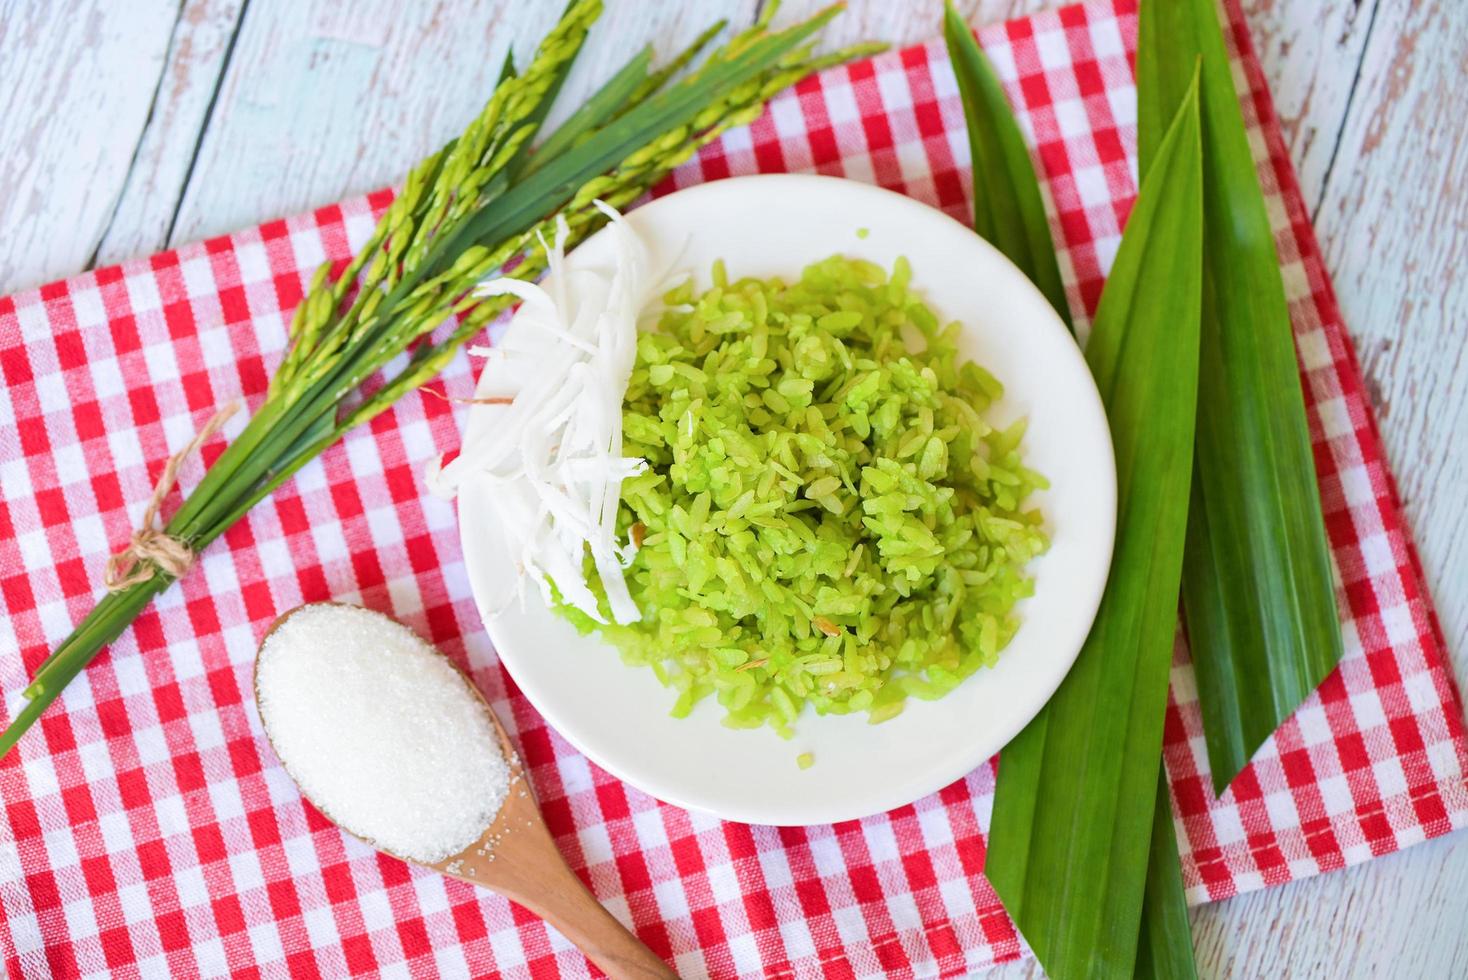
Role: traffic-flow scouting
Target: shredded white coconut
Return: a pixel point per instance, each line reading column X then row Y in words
column 380, row 731
column 554, row 453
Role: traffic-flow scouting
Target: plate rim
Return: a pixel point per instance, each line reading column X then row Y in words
column 798, row 813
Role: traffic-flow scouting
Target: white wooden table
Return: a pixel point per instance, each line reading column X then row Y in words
column 126, row 128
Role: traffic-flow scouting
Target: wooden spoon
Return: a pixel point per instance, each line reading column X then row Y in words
column 517, row 858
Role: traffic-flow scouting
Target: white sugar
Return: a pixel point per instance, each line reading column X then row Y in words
column 381, row 732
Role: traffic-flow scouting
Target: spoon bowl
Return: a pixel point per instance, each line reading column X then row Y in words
column 515, row 856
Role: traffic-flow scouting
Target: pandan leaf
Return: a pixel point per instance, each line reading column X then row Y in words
column 1257, row 587
column 1008, row 210
column 1073, row 811
column 1165, row 946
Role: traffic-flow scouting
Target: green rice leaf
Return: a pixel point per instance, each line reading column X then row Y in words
column 1165, row 947
column 680, row 61
column 541, row 192
column 1008, row 209
column 1068, row 850
column 608, row 100
column 1257, row 586
column 536, row 117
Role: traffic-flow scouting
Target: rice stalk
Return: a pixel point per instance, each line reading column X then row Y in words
column 467, row 211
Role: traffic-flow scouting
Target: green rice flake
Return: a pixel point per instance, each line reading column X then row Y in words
column 828, row 518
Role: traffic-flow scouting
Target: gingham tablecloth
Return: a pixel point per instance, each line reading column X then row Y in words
column 149, row 831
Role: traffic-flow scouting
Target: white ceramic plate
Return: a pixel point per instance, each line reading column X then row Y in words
column 618, row 715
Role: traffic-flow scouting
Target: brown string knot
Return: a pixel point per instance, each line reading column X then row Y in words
column 150, row 549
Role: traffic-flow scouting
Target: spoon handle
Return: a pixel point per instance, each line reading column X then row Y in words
column 565, row 903
column 524, row 865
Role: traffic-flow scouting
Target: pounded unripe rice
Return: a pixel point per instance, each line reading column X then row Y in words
column 827, row 517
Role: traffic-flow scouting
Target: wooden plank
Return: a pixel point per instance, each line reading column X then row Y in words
column 1393, row 221
column 1310, row 53
column 905, row 23
column 1399, row 916
column 321, row 101
column 79, row 80
column 165, row 155
column 302, row 74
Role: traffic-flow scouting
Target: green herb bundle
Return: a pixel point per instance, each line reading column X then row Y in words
column 476, row 208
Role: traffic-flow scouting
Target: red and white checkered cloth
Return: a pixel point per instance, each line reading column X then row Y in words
column 149, row 831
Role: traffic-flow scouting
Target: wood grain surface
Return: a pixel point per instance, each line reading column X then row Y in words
column 131, row 127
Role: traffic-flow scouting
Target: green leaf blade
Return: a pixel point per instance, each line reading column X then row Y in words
column 1071, row 831
column 1008, row 210
column 541, row 192
column 677, row 63
column 1165, row 946
column 1258, row 590
column 608, row 100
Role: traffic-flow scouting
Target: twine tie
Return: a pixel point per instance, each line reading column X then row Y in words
column 151, row 550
